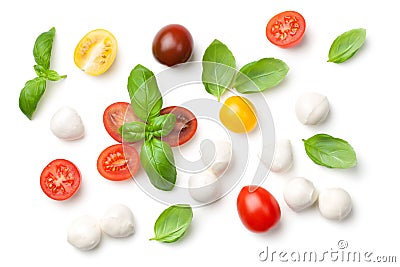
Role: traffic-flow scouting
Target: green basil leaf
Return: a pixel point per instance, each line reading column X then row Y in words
column 330, row 152
column 143, row 90
column 133, row 131
column 42, row 48
column 50, row 75
column 346, row 45
column 30, row 95
column 157, row 160
column 173, row 223
column 218, row 68
column 260, row 75
column 162, row 125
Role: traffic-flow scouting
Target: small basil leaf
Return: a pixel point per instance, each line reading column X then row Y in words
column 50, row 75
column 143, row 90
column 157, row 160
column 218, row 68
column 346, row 45
column 260, row 75
column 162, row 125
column 330, row 152
column 42, row 48
column 173, row 223
column 133, row 131
column 30, row 95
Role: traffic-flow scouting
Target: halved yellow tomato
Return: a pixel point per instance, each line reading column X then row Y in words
column 238, row 115
column 96, row 51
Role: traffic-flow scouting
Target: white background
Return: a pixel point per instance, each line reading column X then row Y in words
column 364, row 110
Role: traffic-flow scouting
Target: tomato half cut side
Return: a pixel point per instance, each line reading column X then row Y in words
column 185, row 126
column 118, row 162
column 60, row 179
column 115, row 115
column 286, row 29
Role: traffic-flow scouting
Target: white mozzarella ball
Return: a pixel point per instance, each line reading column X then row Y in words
column 220, row 161
column 334, row 203
column 312, row 108
column 84, row 233
column 299, row 193
column 118, row 221
column 67, row 124
column 203, row 187
column 283, row 156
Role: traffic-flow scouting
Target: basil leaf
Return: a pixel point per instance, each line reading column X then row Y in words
column 30, row 95
column 50, row 75
column 260, row 75
column 330, row 152
column 133, row 131
column 218, row 68
column 173, row 223
column 42, row 48
column 346, row 45
column 162, row 125
column 143, row 90
column 157, row 160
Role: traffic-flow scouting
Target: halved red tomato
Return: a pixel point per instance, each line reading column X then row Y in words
column 115, row 115
column 118, row 162
column 185, row 126
column 60, row 179
column 286, row 29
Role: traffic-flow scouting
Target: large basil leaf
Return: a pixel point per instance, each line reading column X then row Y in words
column 157, row 160
column 143, row 90
column 162, row 125
column 31, row 94
column 346, row 45
column 330, row 152
column 173, row 223
column 260, row 75
column 42, row 48
column 218, row 68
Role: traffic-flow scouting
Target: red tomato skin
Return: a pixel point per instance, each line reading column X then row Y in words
column 291, row 41
column 173, row 45
column 258, row 210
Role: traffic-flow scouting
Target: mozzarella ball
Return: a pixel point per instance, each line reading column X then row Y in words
column 334, row 203
column 221, row 159
column 299, row 193
column 67, row 124
column 118, row 221
column 203, row 187
column 84, row 233
column 283, row 156
column 312, row 108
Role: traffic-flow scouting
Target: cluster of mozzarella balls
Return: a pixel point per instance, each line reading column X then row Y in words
column 85, row 232
column 300, row 193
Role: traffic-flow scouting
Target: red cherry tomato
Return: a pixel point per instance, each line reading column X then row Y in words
column 115, row 115
column 172, row 45
column 185, row 126
column 286, row 29
column 118, row 162
column 258, row 209
column 60, row 179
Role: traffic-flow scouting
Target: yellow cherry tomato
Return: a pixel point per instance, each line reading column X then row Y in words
column 238, row 115
column 95, row 52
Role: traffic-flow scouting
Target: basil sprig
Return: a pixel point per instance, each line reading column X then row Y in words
column 34, row 89
column 330, row 152
column 219, row 72
column 173, row 223
column 346, row 45
column 156, row 156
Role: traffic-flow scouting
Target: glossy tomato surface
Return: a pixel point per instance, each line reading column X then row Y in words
column 185, row 126
column 286, row 29
column 60, row 179
column 173, row 45
column 118, row 162
column 96, row 52
column 258, row 209
column 115, row 115
column 238, row 115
